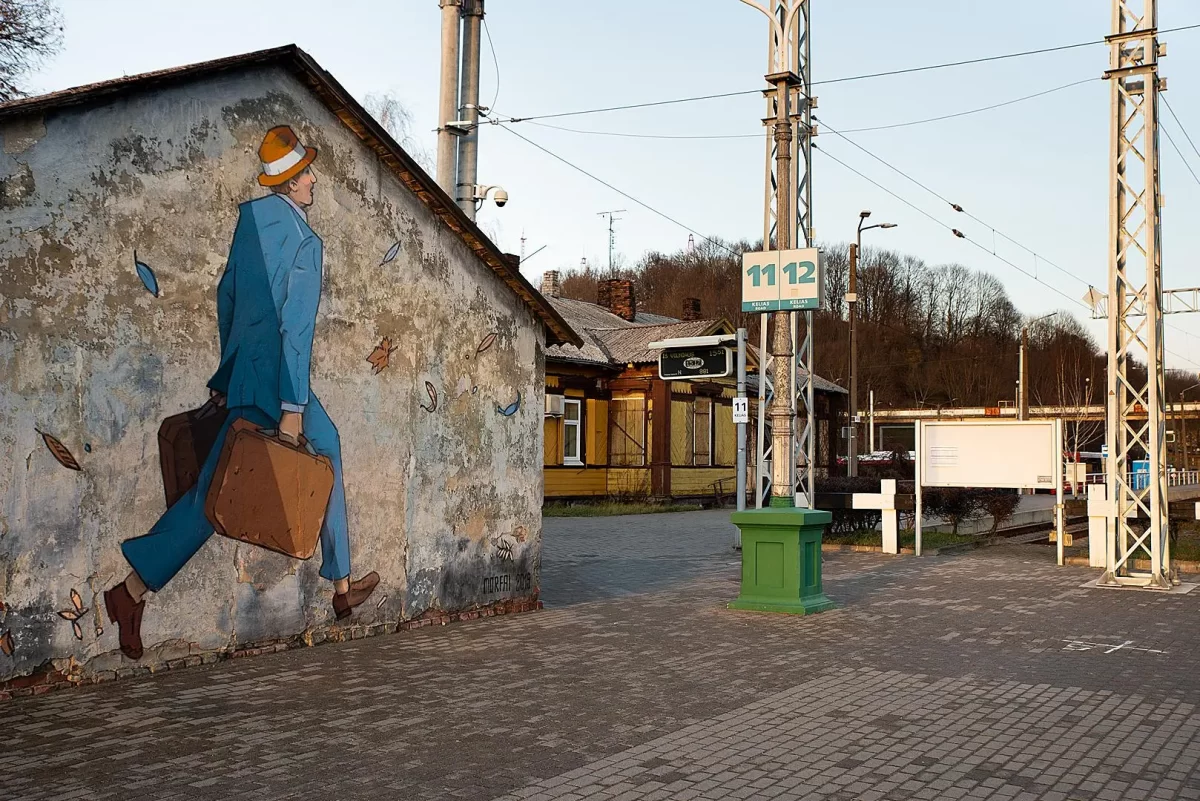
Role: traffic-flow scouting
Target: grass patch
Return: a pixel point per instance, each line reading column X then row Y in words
column 930, row 539
column 1187, row 548
column 611, row 508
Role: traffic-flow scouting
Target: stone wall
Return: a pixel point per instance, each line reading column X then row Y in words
column 443, row 494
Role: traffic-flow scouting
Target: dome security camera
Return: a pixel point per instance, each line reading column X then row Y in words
column 501, row 197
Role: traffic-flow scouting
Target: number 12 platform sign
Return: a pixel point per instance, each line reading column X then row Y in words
column 782, row 280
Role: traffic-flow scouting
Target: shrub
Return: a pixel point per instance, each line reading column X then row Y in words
column 952, row 504
column 1000, row 504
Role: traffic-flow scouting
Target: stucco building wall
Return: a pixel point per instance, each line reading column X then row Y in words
column 444, row 504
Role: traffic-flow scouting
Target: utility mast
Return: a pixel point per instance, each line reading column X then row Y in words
column 1135, row 320
column 612, row 234
column 447, row 146
column 458, row 103
column 787, row 205
column 468, row 143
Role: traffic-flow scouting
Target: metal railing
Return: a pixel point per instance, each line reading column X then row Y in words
column 1175, row 478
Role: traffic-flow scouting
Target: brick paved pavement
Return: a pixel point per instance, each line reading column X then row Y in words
column 970, row 676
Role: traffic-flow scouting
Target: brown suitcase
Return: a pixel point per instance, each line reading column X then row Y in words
column 268, row 493
column 184, row 442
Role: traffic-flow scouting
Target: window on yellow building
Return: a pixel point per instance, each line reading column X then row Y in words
column 702, row 432
column 572, row 432
column 627, row 432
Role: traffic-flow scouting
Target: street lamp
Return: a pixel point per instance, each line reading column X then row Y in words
column 852, row 302
column 1023, row 369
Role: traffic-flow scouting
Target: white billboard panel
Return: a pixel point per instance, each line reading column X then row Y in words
column 1008, row 454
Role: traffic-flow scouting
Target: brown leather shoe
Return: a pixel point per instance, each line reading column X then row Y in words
column 344, row 603
column 127, row 614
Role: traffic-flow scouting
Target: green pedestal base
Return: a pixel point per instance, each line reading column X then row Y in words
column 781, row 560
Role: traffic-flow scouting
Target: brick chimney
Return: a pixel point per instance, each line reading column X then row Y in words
column 691, row 309
column 551, row 285
column 604, row 293
column 622, row 301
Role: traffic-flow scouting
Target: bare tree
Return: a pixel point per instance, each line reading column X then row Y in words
column 397, row 120
column 30, row 32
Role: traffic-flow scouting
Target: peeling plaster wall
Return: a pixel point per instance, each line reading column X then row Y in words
column 444, row 505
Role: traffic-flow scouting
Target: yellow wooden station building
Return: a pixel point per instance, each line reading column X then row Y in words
column 613, row 428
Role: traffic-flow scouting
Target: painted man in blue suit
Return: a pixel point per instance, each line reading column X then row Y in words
column 266, row 310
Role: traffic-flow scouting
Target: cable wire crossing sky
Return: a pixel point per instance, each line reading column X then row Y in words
column 1008, row 120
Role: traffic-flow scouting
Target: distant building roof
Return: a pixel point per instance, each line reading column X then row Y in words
column 630, row 345
column 613, row 341
column 354, row 117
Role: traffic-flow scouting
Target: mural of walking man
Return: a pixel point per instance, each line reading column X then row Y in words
column 266, row 311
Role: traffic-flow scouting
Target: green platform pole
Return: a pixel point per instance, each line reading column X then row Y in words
column 781, row 560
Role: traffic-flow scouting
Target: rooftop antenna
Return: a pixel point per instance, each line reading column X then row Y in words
column 612, row 236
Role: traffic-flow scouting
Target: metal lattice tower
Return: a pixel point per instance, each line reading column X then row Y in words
column 1137, row 505
column 798, row 52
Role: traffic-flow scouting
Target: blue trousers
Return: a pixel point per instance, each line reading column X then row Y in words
column 179, row 533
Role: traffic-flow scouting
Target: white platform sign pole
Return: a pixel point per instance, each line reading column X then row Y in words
column 1058, row 488
column 919, row 426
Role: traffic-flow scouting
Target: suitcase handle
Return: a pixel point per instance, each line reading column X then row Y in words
column 209, row 408
column 304, row 445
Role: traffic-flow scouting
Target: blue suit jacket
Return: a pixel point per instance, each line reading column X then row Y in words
column 266, row 308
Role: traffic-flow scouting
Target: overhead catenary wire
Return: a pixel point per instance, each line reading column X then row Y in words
column 956, row 206
column 974, row 110
column 495, row 62
column 1179, row 122
column 620, row 192
column 824, row 152
column 1037, row 257
column 829, row 81
column 760, row 135
column 959, row 234
column 1175, row 147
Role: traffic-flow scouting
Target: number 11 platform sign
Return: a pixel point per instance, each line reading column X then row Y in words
column 782, row 280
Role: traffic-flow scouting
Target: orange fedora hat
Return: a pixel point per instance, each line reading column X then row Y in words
column 282, row 156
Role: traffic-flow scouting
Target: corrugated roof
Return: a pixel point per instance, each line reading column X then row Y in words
column 654, row 319
column 358, row 120
column 583, row 317
column 631, row 344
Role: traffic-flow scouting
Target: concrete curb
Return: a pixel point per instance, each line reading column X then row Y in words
column 1138, row 564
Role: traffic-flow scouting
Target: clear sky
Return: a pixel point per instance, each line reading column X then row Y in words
column 1036, row 170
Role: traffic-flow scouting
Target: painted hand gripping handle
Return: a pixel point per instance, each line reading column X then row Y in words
column 269, row 493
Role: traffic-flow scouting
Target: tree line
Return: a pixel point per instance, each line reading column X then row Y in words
column 929, row 335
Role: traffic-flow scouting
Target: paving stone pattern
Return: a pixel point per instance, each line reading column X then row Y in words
column 970, row 676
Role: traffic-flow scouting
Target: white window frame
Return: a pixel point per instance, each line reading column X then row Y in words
column 577, row 424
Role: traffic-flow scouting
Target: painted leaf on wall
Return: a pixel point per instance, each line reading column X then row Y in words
column 392, row 253
column 6, row 643
column 505, row 545
column 512, row 408
column 380, row 357
column 149, row 279
column 59, row 451
column 486, row 343
column 431, row 391
column 77, row 611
